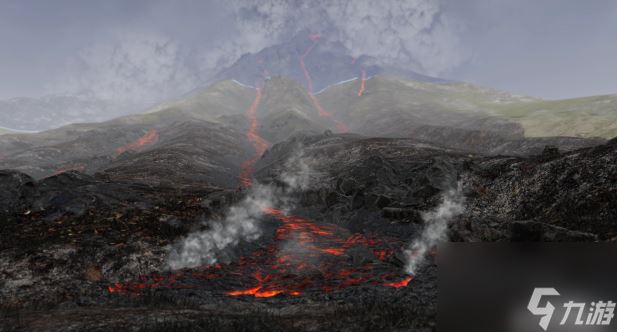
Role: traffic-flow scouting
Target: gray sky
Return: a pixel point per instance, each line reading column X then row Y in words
column 546, row 48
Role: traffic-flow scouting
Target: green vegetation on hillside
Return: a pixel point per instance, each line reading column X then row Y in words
column 585, row 117
column 221, row 99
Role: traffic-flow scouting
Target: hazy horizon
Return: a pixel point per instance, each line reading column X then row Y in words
column 143, row 50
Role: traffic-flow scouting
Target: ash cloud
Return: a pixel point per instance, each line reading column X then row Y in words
column 132, row 67
column 148, row 64
column 436, row 224
column 242, row 221
column 413, row 34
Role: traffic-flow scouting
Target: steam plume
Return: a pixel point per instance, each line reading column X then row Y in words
column 241, row 222
column 436, row 221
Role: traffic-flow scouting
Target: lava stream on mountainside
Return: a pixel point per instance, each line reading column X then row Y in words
column 362, row 83
column 340, row 126
column 299, row 257
column 149, row 138
column 309, row 81
column 260, row 144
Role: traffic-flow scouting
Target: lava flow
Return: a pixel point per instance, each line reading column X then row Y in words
column 302, row 256
column 309, row 81
column 399, row 284
column 260, row 144
column 151, row 137
column 362, row 83
column 341, row 127
column 310, row 256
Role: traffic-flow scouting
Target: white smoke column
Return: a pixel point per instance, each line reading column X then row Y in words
column 436, row 225
column 298, row 170
column 242, row 220
column 240, row 223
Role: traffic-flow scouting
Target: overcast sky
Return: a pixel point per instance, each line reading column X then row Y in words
column 545, row 48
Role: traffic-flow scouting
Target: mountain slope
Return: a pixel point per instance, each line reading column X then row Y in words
column 585, row 117
column 221, row 99
column 450, row 115
column 448, row 104
column 209, row 151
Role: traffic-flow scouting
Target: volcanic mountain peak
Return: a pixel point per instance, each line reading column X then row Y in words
column 453, row 115
column 314, row 61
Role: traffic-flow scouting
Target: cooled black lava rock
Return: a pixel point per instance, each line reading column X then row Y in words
column 531, row 231
column 67, row 238
column 16, row 192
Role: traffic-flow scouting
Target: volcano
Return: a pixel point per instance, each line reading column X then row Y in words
column 329, row 63
column 91, row 214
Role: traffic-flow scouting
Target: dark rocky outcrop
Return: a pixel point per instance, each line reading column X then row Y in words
column 66, row 238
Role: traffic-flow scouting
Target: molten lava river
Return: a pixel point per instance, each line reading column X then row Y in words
column 314, row 38
column 299, row 256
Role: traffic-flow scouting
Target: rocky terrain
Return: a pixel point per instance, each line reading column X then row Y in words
column 88, row 252
column 302, row 207
column 388, row 108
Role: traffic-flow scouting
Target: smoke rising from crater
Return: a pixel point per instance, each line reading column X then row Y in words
column 503, row 44
column 436, row 225
column 147, row 64
column 412, row 34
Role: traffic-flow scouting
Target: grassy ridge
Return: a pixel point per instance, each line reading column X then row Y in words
column 585, row 117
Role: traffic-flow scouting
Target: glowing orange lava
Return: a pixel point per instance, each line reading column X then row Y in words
column 250, row 291
column 362, row 83
column 151, row 137
column 260, row 144
column 399, row 284
column 309, row 81
column 340, row 126
column 333, row 251
column 310, row 242
column 134, row 287
column 303, row 256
